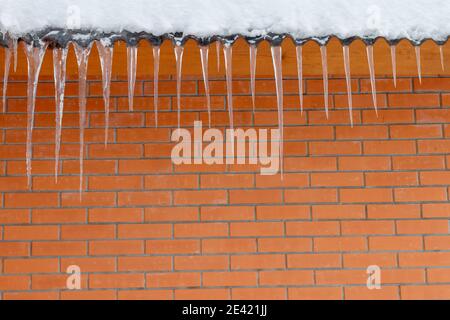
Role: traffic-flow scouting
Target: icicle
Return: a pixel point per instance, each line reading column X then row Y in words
column 204, row 60
column 156, row 51
column 14, row 49
column 82, row 61
column 59, row 73
column 277, row 67
column 179, row 49
column 228, row 55
column 106, row 57
column 323, row 53
column 419, row 65
column 441, row 53
column 348, row 78
column 371, row 63
column 394, row 63
column 6, row 73
column 131, row 68
column 35, row 56
column 298, row 50
column 253, row 53
column 218, row 45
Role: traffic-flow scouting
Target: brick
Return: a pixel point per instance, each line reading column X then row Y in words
column 201, row 262
column 312, row 228
column 284, row 212
column 89, row 295
column 415, row 131
column 144, row 231
column 340, row 211
column 173, row 280
column 252, row 196
column 365, row 195
column 336, row 179
column 59, row 248
column 290, row 277
column 425, row 292
column 202, row 294
column 127, row 264
column 116, row 280
column 87, row 232
column 26, row 200
column 89, row 264
column 393, row 211
column 200, row 230
column 226, row 181
column 229, row 279
column 424, row 259
column 171, row 182
column 362, row 133
column 17, row 266
column 365, row 163
column 266, row 261
column 144, row 294
column 59, row 216
column 388, row 179
column 315, row 293
column 14, row 216
column 200, row 197
column 14, row 283
column 258, row 293
column 362, row 293
column 436, row 210
column 389, row 147
column 256, row 229
column 363, row 260
column 100, row 215
column 437, row 243
column 140, row 198
column 416, row 100
column 310, row 196
column 418, row 162
column 172, row 246
column 314, row 261
column 434, row 146
column 228, row 245
column 31, row 233
column 395, row 243
column 14, row 249
column 335, row 148
column 115, row 183
column 420, row 194
column 170, row 214
column 340, row 244
column 116, row 247
column 422, row 226
column 284, row 245
column 435, row 178
column 367, row 227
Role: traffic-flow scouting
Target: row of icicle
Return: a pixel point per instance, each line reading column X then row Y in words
column 35, row 57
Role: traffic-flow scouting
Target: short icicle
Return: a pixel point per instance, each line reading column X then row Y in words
column 131, row 68
column 371, row 63
column 228, row 54
column 15, row 43
column 394, row 63
column 156, row 57
column 179, row 49
column 323, row 53
column 348, row 79
column 277, row 66
column 441, row 54
column 299, row 53
column 59, row 74
column 105, row 51
column 204, row 60
column 8, row 53
column 253, row 54
column 82, row 55
column 419, row 64
column 35, row 57
column 218, row 47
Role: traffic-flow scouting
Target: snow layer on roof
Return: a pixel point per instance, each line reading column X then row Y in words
column 392, row 19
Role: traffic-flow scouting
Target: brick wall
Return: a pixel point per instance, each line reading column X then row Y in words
column 375, row 194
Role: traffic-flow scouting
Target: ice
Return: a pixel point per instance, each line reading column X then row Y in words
column 228, row 54
column 299, row 53
column 394, row 63
column 131, row 68
column 6, row 74
column 419, row 64
column 59, row 74
column 106, row 58
column 277, row 66
column 82, row 55
column 441, row 54
column 371, row 63
column 348, row 80
column 253, row 52
column 218, row 47
column 156, row 57
column 204, row 60
column 323, row 53
column 179, row 49
column 35, row 57
column 14, row 49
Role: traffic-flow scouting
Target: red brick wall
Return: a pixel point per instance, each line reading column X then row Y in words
column 375, row 194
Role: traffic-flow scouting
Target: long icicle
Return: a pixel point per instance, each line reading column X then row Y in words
column 419, row 64
column 394, row 63
column 228, row 55
column 82, row 61
column 106, row 58
column 253, row 53
column 299, row 53
column 6, row 73
column 204, row 60
column 131, row 68
column 348, row 79
column 179, row 61
column 156, row 57
column 218, row 45
column 35, row 57
column 59, row 74
column 441, row 54
column 277, row 67
column 14, row 49
column 323, row 53
column 370, row 61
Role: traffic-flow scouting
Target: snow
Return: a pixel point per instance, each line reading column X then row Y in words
column 392, row 19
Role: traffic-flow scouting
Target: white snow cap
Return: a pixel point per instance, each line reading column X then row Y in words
column 392, row 19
